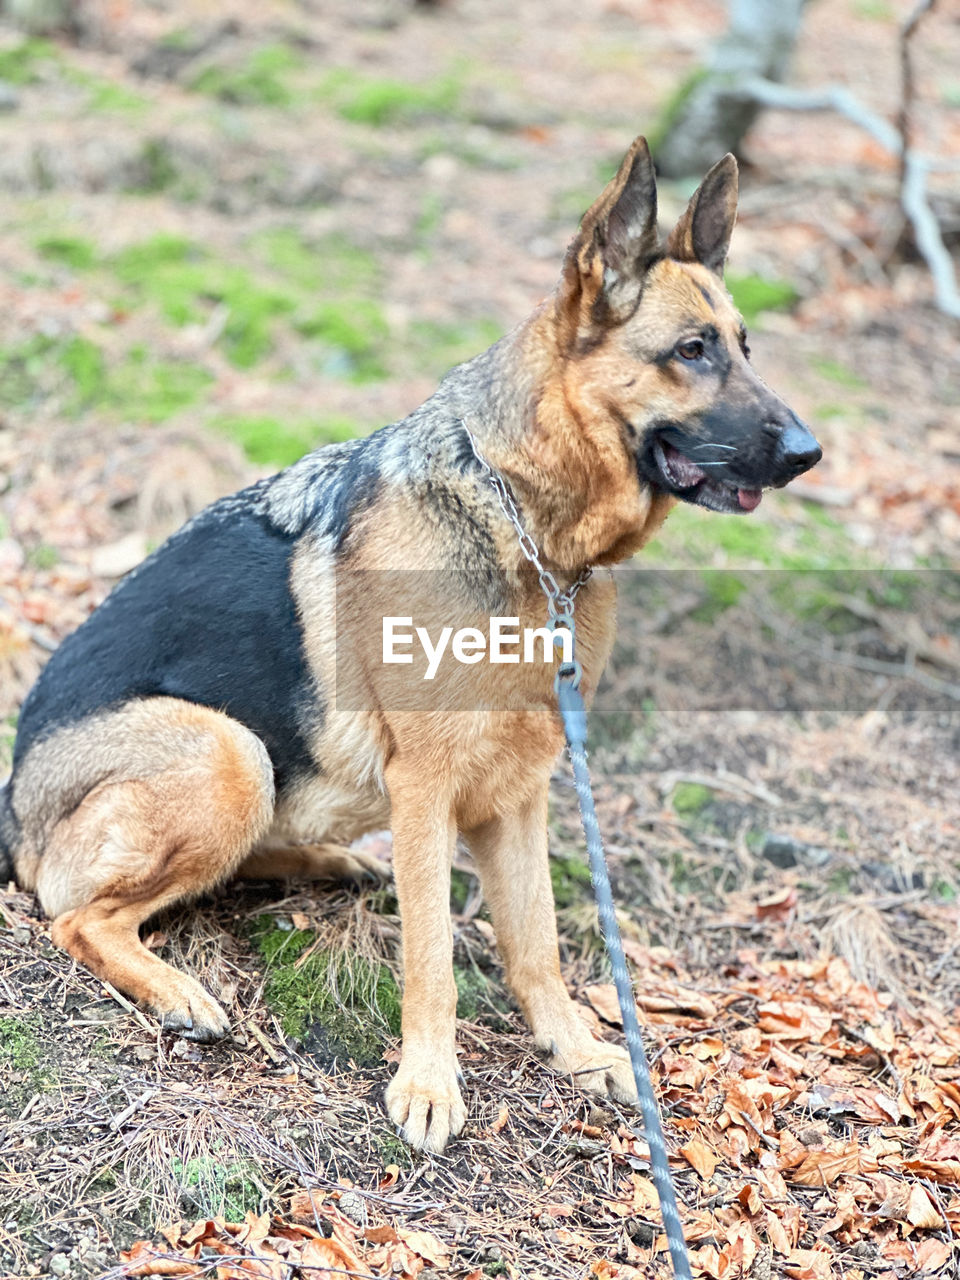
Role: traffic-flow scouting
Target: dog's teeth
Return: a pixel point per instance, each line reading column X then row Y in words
column 682, row 471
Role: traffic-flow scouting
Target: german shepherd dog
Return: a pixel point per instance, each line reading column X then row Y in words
column 188, row 731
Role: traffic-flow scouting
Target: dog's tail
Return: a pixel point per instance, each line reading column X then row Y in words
column 9, row 833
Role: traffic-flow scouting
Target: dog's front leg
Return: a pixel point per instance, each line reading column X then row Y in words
column 511, row 853
column 424, row 1096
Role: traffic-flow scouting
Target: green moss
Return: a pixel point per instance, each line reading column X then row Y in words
column 23, row 368
column 392, row 1150
column 723, row 590
column 272, row 441
column 20, row 1048
column 262, row 79
column 72, row 251
column 43, row 557
column 212, row 1187
column 354, row 333
column 461, row 886
column 155, row 167
column 331, row 263
column 184, row 281
column 754, row 294
column 840, row 881
column 842, row 374
column 479, row 999
column 673, row 108
column 85, row 366
column 570, row 877
column 22, row 63
column 380, row 101
column 690, row 798
column 149, row 390
column 105, row 95
column 440, row 346
column 352, row 1004
column 814, row 539
column 877, row 10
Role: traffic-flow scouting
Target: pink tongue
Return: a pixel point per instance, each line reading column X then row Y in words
column 749, row 499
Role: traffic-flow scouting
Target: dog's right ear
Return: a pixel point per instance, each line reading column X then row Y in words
column 606, row 262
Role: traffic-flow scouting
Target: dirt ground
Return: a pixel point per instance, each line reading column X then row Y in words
column 234, row 232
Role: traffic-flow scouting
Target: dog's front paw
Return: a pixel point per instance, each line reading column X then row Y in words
column 187, row 1008
column 601, row 1068
column 424, row 1101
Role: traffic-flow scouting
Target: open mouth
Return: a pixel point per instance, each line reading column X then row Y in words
column 682, row 476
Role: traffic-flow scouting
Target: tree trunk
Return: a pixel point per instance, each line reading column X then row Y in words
column 705, row 119
column 38, row 17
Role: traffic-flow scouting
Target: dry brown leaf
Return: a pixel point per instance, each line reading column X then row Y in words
column 668, row 998
column 700, row 1157
column 794, row 1020
column 381, row 1235
column 933, row 1254
column 501, row 1120
column 922, row 1213
column 935, row 1170
column 329, row 1257
column 305, row 1206
column 708, row 1262
column 821, row 1168
column 749, row 1197
column 427, row 1246
column 777, row 1233
column 145, row 1259
column 603, row 1000
column 780, row 906
column 809, row 1264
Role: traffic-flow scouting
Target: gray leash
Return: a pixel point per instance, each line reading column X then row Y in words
column 573, row 712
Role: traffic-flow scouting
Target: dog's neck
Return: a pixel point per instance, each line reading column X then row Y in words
column 579, row 491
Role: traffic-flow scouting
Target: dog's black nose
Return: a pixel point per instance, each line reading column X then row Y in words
column 798, row 449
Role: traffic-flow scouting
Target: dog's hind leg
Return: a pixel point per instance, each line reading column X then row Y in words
column 511, row 854
column 311, row 862
column 174, row 818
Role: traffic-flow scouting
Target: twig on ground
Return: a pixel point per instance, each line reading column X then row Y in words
column 722, row 780
column 124, row 1003
column 914, row 166
column 120, row 1120
column 265, row 1044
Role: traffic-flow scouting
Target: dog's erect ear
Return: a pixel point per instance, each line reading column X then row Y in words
column 703, row 233
column 605, row 265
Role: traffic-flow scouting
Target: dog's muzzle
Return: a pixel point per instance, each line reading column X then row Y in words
column 696, row 469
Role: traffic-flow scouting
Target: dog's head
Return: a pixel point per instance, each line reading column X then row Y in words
column 653, row 342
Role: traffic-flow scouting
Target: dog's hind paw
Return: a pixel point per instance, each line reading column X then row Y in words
column 426, row 1105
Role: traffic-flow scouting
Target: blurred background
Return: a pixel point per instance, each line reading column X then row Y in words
column 232, row 232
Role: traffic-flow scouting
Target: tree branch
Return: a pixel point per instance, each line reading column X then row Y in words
column 915, row 166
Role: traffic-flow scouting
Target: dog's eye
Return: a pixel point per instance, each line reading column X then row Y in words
column 691, row 350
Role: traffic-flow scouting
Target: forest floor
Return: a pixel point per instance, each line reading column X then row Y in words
column 231, row 234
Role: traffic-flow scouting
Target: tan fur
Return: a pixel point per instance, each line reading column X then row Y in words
column 159, row 800
column 135, row 845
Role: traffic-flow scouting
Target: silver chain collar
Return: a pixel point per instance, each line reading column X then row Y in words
column 560, row 603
